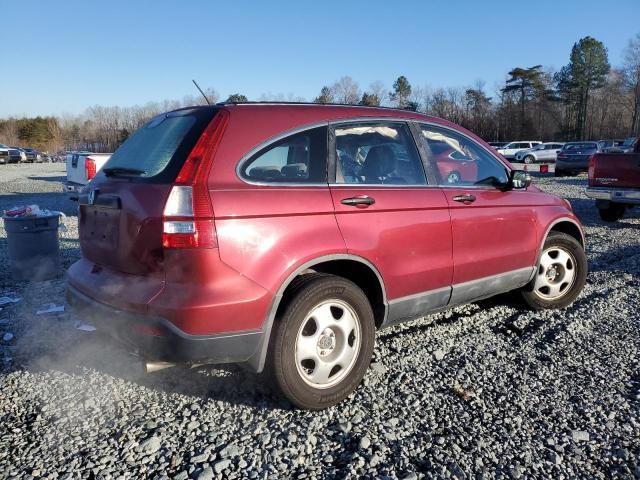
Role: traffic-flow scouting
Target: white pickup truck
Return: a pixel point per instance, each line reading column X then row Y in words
column 81, row 168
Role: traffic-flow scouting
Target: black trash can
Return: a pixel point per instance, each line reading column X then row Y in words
column 34, row 251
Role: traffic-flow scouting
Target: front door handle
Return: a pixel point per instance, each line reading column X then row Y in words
column 364, row 201
column 466, row 198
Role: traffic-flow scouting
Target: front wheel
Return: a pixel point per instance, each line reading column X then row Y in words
column 529, row 159
column 560, row 274
column 323, row 342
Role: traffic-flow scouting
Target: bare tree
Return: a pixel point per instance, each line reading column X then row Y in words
column 346, row 91
column 631, row 72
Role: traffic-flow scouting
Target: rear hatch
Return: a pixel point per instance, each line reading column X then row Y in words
column 619, row 170
column 121, row 210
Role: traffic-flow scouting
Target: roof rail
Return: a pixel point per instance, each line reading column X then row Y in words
column 313, row 104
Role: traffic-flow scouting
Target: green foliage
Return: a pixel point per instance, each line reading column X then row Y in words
column 370, row 100
column 237, row 98
column 401, row 91
column 326, row 96
column 587, row 71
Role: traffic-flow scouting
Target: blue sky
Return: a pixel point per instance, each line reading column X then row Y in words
column 66, row 56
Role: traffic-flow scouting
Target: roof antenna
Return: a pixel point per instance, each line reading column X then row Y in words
column 205, row 97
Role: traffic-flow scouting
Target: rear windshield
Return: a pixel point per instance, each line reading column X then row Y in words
column 159, row 148
column 581, row 146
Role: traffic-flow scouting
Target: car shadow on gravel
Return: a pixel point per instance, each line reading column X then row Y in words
column 59, row 178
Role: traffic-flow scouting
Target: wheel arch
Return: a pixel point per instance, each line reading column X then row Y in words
column 568, row 226
column 352, row 267
column 565, row 225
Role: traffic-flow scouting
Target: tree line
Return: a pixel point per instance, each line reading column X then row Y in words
column 586, row 99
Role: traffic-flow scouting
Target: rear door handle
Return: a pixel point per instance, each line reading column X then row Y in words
column 466, row 198
column 358, row 201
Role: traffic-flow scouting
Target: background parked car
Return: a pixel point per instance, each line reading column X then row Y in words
column 574, row 157
column 497, row 145
column 614, row 183
column 510, row 149
column 626, row 146
column 4, row 153
column 604, row 144
column 23, row 154
column 33, row 155
column 545, row 152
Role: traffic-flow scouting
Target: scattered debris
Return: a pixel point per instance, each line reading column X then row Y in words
column 8, row 298
column 50, row 308
column 466, row 394
column 85, row 327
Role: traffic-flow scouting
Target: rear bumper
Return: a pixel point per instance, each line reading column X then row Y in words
column 617, row 195
column 72, row 189
column 156, row 338
column 572, row 165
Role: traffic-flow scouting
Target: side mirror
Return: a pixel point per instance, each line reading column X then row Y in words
column 519, row 179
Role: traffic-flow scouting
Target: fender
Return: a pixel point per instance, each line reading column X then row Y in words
column 257, row 361
column 546, row 235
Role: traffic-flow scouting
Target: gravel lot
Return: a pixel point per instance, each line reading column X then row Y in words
column 487, row 390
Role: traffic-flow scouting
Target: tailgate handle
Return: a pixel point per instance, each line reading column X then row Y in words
column 100, row 200
column 466, row 198
column 363, row 201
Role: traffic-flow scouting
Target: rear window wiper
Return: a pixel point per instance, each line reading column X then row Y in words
column 122, row 171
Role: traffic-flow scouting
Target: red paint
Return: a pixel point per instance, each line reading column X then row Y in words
column 417, row 238
column 617, row 170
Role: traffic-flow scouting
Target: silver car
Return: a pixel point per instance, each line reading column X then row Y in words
column 545, row 152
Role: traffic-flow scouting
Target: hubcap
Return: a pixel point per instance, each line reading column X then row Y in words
column 327, row 344
column 556, row 273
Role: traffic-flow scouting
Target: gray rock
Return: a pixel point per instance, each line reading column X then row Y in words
column 365, row 442
column 221, row 465
column 207, row 474
column 438, row 354
column 7, row 337
column 580, row 436
column 151, row 445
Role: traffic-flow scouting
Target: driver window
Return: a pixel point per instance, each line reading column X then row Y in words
column 459, row 160
column 377, row 153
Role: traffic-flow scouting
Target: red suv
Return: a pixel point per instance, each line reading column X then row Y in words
column 285, row 235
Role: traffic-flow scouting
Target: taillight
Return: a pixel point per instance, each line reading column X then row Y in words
column 188, row 216
column 90, row 167
column 592, row 168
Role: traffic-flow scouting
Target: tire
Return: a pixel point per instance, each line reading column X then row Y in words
column 308, row 341
column 612, row 213
column 559, row 173
column 529, row 159
column 564, row 257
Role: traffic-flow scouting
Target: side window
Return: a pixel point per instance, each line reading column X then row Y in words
column 459, row 160
column 299, row 158
column 377, row 153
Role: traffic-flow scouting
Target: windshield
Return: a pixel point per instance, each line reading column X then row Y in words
column 161, row 145
column 628, row 142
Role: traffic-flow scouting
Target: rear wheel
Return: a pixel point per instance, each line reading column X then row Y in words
column 559, row 172
column 323, row 342
column 612, row 213
column 560, row 274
